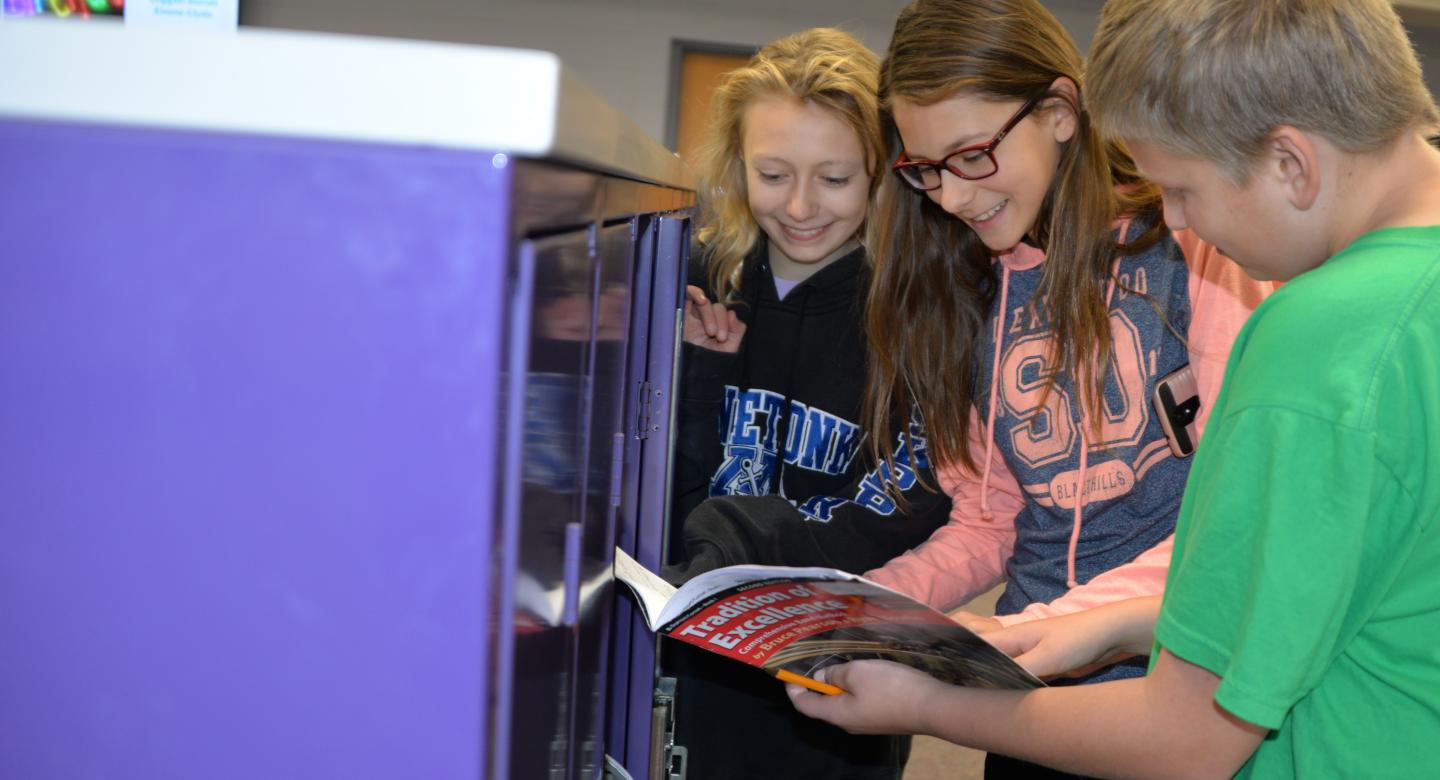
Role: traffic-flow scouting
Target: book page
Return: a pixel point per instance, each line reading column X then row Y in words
column 651, row 592
column 730, row 578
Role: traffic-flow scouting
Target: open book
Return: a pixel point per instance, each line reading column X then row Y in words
column 792, row 622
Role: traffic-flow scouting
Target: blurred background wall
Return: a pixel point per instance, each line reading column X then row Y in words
column 623, row 48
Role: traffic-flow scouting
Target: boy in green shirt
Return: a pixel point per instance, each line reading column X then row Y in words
column 1299, row 634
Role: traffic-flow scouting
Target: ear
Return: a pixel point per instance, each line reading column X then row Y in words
column 1062, row 110
column 1292, row 160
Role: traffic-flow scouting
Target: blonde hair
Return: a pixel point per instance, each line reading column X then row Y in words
column 1212, row 78
column 822, row 66
column 934, row 278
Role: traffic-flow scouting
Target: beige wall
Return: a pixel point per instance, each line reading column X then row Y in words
column 621, row 48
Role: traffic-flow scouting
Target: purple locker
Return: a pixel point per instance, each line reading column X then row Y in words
column 321, row 412
column 242, row 464
column 595, row 453
column 634, row 702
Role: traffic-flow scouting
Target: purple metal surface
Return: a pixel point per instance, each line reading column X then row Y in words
column 646, row 232
column 672, row 237
column 620, row 718
column 517, row 360
column 614, row 307
column 671, row 257
column 249, row 391
column 534, row 708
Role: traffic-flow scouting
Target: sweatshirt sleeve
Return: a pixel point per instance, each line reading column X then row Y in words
column 860, row 528
column 1221, row 299
column 1144, row 576
column 698, row 449
column 966, row 556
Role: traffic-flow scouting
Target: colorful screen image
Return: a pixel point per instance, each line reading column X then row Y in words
column 64, row 8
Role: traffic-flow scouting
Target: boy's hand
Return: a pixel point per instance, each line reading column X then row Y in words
column 711, row 325
column 881, row 697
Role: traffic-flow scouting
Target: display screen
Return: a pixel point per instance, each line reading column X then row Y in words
column 207, row 14
column 65, row 8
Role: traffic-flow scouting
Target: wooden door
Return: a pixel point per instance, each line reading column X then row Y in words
column 698, row 73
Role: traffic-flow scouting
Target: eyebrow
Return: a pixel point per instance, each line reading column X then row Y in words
column 973, row 139
column 770, row 159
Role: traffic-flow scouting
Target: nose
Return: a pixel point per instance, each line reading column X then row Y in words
column 1174, row 214
column 954, row 194
column 801, row 206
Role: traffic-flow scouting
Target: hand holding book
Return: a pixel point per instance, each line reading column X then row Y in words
column 800, row 620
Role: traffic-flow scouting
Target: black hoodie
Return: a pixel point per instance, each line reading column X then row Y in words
column 805, row 353
column 821, row 505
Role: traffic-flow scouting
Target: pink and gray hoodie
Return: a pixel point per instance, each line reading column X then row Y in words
column 1019, row 521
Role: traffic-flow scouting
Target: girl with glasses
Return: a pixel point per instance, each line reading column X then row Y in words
column 1030, row 303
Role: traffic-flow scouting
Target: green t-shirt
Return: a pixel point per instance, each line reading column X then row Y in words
column 1306, row 570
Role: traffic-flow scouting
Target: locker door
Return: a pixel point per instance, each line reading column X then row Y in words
column 615, row 268
column 635, row 737
column 618, row 713
column 545, row 504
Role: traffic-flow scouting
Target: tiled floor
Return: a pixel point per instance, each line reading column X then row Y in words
column 935, row 759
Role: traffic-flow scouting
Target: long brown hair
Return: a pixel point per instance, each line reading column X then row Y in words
column 934, row 279
column 823, row 66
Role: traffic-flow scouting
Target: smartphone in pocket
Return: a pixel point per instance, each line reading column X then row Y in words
column 1177, row 401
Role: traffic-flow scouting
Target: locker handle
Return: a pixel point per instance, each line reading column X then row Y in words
column 570, row 612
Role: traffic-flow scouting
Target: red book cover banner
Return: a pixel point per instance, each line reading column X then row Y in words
column 801, row 620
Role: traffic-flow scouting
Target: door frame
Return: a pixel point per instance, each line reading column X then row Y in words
column 679, row 47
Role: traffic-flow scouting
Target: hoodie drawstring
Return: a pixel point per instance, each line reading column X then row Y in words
column 1085, row 446
column 985, row 514
column 1078, row 515
column 1084, row 450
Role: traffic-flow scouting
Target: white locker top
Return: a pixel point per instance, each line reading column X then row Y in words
column 521, row 102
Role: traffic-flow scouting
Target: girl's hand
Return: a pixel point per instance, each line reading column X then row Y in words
column 711, row 325
column 1054, row 647
column 1081, row 642
column 881, row 697
column 980, row 624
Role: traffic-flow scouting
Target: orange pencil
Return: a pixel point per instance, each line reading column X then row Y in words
column 806, row 682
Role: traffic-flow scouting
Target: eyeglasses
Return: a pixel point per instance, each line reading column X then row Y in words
column 972, row 162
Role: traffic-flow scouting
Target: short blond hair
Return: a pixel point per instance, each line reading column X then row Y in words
column 822, row 66
column 1212, row 78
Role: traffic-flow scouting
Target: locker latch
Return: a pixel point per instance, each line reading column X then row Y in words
column 674, row 757
column 643, row 407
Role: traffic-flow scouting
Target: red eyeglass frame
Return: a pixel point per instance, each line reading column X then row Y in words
column 988, row 148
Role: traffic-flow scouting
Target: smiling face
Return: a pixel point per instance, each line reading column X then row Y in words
column 1003, row 207
column 806, row 182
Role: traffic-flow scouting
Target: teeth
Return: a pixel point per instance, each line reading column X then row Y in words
column 991, row 212
column 798, row 233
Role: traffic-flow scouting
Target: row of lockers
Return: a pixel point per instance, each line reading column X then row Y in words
column 318, row 434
